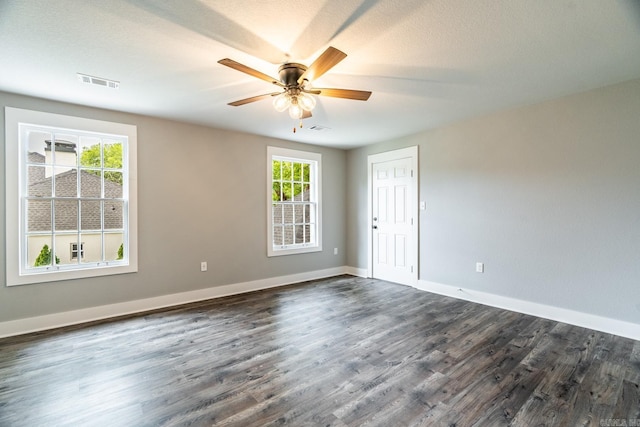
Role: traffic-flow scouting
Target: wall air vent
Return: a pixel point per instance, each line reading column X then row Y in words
column 98, row 81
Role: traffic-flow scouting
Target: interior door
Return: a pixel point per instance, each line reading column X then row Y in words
column 393, row 226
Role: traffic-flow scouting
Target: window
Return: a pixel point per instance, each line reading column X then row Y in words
column 294, row 210
column 74, row 250
column 71, row 205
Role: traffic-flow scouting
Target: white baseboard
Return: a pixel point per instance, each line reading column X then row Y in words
column 56, row 320
column 354, row 271
column 585, row 320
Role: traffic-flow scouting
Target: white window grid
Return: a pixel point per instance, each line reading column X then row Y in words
column 16, row 156
column 294, row 223
column 292, row 216
column 102, row 231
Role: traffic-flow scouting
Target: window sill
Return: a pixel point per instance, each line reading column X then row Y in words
column 293, row 251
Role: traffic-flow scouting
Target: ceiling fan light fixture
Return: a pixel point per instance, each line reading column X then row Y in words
column 306, row 101
column 295, row 111
column 295, row 101
column 281, row 102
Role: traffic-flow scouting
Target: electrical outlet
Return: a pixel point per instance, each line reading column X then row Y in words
column 203, row 266
column 479, row 267
column 335, row 251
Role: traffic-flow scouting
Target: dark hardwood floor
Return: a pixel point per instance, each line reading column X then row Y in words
column 343, row 351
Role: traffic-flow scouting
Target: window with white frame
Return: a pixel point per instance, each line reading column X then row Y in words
column 71, row 205
column 75, row 250
column 294, row 211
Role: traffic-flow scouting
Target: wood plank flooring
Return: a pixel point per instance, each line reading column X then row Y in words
column 342, row 351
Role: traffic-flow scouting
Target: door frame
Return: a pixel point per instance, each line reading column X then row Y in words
column 403, row 153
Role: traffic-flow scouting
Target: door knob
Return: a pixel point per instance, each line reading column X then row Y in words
column 375, row 227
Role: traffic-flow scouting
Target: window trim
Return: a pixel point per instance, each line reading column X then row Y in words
column 293, row 155
column 13, row 206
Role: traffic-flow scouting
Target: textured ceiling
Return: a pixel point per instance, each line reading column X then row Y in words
column 428, row 63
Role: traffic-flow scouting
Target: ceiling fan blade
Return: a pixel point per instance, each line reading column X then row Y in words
column 252, row 99
column 327, row 60
column 248, row 70
column 358, row 95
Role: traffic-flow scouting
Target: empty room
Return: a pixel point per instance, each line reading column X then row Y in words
column 320, row 213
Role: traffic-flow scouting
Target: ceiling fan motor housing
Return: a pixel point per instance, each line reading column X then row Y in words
column 289, row 73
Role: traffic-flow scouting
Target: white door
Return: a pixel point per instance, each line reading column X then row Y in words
column 393, row 218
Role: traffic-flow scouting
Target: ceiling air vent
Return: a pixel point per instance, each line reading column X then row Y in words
column 98, row 81
column 319, row 128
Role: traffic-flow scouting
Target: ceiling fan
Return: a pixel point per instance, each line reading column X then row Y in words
column 295, row 80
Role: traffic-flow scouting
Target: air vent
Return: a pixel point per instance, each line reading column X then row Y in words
column 98, row 81
column 319, row 128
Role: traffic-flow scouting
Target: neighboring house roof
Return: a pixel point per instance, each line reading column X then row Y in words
column 66, row 185
column 34, row 157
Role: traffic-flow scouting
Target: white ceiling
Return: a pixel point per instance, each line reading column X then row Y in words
column 428, row 63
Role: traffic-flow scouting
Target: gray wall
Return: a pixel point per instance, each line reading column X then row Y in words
column 547, row 196
column 201, row 197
